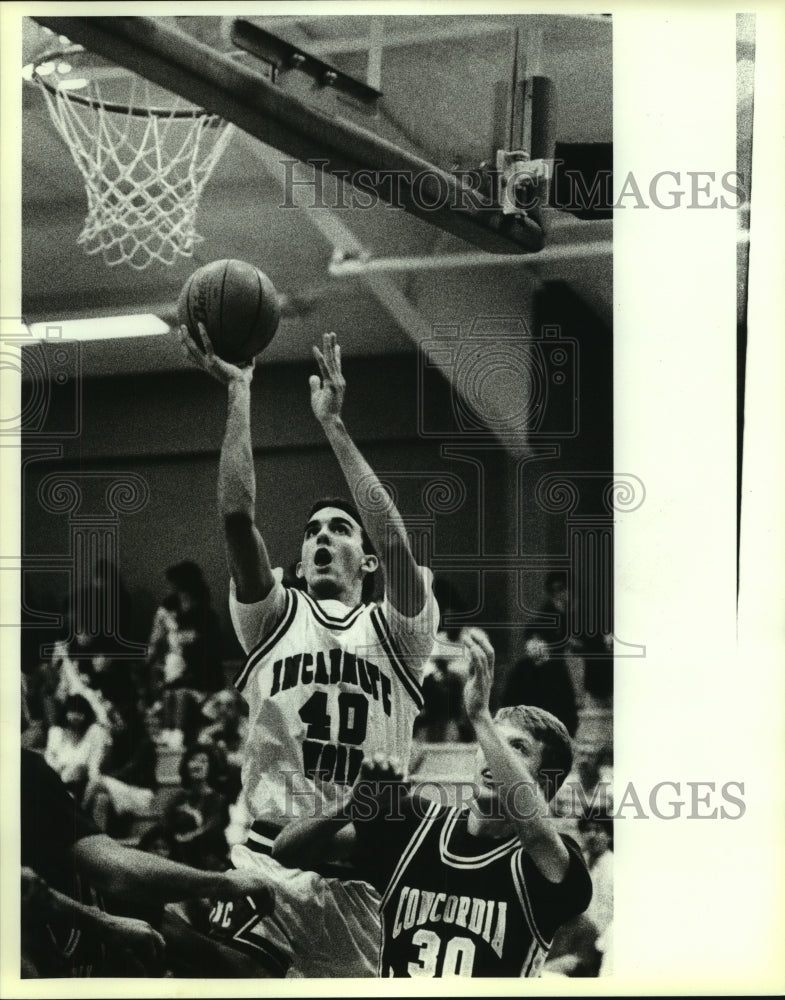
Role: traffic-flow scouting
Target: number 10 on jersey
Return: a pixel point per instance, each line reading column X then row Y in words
column 329, row 756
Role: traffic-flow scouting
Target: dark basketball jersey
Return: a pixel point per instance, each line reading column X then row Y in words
column 51, row 824
column 458, row 905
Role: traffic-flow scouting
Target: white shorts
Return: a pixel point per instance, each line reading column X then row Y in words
column 321, row 927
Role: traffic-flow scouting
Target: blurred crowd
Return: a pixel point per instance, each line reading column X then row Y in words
column 151, row 746
column 563, row 669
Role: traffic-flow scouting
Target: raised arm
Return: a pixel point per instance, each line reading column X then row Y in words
column 406, row 588
column 247, row 556
column 519, row 792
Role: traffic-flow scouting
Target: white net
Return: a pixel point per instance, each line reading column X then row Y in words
column 143, row 172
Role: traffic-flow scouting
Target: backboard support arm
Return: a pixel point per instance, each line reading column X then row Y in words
column 220, row 84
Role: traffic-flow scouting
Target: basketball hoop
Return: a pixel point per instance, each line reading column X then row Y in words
column 145, row 158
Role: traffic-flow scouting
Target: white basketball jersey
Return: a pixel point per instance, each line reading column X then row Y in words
column 323, row 691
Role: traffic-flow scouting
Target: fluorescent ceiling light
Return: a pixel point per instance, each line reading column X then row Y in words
column 99, row 328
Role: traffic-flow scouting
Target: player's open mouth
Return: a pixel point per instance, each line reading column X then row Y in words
column 322, row 557
column 487, row 778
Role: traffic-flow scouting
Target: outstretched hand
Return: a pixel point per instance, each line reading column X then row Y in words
column 327, row 391
column 477, row 692
column 207, row 359
column 244, row 882
column 377, row 774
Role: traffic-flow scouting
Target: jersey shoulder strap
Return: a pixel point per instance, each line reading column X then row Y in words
column 398, row 663
column 267, row 642
column 431, row 813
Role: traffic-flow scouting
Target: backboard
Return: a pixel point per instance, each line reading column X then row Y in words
column 452, row 95
column 431, row 114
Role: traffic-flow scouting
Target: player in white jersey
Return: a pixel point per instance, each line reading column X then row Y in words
column 328, row 679
column 324, row 686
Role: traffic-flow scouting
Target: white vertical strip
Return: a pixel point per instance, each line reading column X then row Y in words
column 375, row 51
column 11, row 329
column 675, row 428
column 761, row 748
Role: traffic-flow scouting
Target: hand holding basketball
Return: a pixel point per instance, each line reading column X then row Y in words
column 207, row 359
column 328, row 391
column 236, row 303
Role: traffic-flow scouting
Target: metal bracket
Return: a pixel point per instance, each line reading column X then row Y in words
column 523, row 182
column 284, row 57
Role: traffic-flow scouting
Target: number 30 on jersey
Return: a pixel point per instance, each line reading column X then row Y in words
column 456, row 958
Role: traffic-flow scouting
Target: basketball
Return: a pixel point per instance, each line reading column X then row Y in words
column 237, row 304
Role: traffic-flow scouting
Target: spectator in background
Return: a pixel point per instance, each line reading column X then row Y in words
column 70, row 671
column 556, row 606
column 443, row 718
column 597, row 779
column 198, row 814
column 105, row 602
column 597, row 652
column 184, row 652
column 126, row 784
column 75, row 748
column 225, row 722
column 596, row 830
column 225, row 729
column 574, row 950
column 542, row 680
column 78, row 666
column 113, row 679
column 94, row 658
column 582, row 946
column 569, row 638
column 542, row 676
column 590, row 783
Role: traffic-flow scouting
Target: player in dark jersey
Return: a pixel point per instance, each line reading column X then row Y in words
column 473, row 891
column 72, row 873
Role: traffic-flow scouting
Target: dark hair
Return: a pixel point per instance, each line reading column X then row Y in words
column 77, row 703
column 186, row 576
column 448, row 599
column 598, row 816
column 348, row 508
column 188, row 756
column 557, row 745
column 369, row 581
